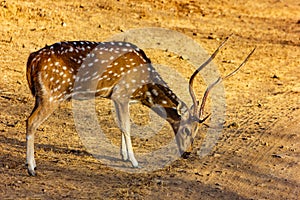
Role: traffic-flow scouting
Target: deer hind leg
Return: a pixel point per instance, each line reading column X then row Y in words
column 41, row 111
column 122, row 110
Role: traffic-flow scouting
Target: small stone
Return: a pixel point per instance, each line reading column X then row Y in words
column 275, row 76
column 184, row 57
column 276, row 156
column 216, row 155
column 210, row 37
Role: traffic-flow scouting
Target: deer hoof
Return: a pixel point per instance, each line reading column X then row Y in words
column 31, row 172
column 137, row 167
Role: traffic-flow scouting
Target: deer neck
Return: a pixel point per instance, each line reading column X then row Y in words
column 161, row 99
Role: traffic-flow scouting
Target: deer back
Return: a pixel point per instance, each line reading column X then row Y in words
column 80, row 69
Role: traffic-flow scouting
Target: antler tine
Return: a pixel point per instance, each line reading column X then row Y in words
column 219, row 80
column 241, row 65
column 208, row 89
column 191, row 82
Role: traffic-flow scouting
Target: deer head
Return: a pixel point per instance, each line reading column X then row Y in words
column 186, row 127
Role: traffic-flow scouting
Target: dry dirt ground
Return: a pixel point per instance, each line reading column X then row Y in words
column 257, row 156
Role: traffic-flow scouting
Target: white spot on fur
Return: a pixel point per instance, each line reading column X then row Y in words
column 154, row 91
column 164, row 102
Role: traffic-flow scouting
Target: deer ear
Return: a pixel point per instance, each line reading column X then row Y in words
column 181, row 108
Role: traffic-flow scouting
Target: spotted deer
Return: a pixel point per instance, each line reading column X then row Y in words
column 119, row 71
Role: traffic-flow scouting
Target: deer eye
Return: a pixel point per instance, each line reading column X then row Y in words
column 187, row 131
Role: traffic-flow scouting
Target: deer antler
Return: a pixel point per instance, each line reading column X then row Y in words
column 219, row 80
column 192, row 93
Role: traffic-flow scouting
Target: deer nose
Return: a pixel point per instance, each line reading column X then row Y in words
column 186, row 155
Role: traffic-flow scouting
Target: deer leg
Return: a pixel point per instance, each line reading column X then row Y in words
column 122, row 110
column 40, row 113
column 124, row 148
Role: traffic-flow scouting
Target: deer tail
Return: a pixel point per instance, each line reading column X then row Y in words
column 31, row 64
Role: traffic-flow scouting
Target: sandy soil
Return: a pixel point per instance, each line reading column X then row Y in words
column 256, row 157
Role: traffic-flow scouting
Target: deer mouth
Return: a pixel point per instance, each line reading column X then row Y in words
column 186, row 155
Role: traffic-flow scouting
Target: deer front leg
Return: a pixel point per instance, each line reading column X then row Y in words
column 122, row 110
column 124, row 148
